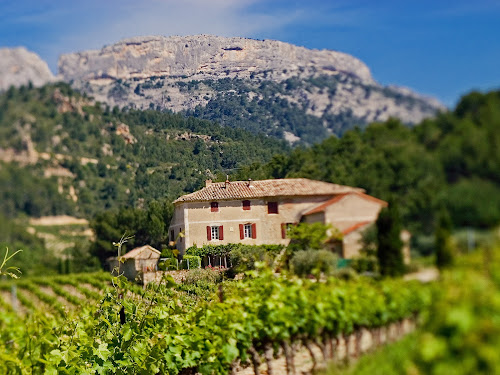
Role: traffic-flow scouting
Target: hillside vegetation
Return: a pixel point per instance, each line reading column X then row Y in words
column 451, row 161
column 65, row 154
column 304, row 111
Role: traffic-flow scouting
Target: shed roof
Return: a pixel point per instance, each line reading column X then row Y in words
column 265, row 188
column 143, row 252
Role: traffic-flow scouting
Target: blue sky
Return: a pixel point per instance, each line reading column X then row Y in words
column 440, row 48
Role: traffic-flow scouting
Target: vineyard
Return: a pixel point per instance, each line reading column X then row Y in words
column 57, row 296
column 86, row 324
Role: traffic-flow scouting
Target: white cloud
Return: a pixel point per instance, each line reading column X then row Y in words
column 166, row 17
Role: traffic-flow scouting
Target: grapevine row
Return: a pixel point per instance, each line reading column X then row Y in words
column 249, row 319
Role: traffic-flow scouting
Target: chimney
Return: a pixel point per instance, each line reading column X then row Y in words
column 208, row 183
column 250, row 182
column 227, row 181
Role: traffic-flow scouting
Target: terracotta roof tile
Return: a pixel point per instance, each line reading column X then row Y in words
column 321, row 207
column 265, row 188
column 352, row 228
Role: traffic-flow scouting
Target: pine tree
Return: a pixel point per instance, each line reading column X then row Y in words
column 389, row 251
column 442, row 240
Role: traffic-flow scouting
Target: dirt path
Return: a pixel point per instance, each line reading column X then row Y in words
column 49, row 291
column 58, row 220
column 426, row 275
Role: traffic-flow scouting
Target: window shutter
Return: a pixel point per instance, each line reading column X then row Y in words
column 221, row 232
column 254, row 231
column 242, row 233
column 272, row 207
column 283, row 230
column 209, row 232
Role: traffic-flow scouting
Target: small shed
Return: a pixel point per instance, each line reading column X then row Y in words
column 139, row 260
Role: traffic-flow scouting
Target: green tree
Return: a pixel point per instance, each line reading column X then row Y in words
column 442, row 240
column 306, row 236
column 389, row 250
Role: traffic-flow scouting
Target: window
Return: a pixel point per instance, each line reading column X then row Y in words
column 246, row 205
column 172, row 236
column 215, row 232
column 214, row 206
column 248, row 230
column 272, row 207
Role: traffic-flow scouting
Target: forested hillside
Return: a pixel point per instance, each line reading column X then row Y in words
column 65, row 154
column 303, row 111
column 451, row 161
column 62, row 153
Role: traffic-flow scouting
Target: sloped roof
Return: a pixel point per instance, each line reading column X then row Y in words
column 143, row 252
column 322, row 206
column 287, row 187
column 356, row 226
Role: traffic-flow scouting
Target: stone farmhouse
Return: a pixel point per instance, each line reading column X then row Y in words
column 259, row 212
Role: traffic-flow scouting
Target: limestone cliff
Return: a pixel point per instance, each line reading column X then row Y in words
column 18, row 67
column 206, row 57
column 306, row 94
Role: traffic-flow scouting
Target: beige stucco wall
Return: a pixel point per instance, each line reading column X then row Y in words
column 350, row 210
column 352, row 243
column 194, row 217
column 318, row 217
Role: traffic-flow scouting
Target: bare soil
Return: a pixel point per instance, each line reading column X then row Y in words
column 58, row 220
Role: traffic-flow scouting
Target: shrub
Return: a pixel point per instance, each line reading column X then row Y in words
column 243, row 257
column 309, row 236
column 365, row 263
column 347, row 274
column 313, row 262
column 190, row 262
column 228, row 248
column 168, row 264
column 200, row 275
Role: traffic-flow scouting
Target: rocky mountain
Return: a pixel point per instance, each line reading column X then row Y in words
column 18, row 67
column 261, row 85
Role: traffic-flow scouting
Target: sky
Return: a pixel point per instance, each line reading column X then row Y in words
column 440, row 48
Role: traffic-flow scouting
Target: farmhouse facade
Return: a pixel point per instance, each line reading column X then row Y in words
column 259, row 212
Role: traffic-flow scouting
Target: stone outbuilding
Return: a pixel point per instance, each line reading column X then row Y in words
column 137, row 261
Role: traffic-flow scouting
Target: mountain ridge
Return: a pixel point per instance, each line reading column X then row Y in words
column 265, row 86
